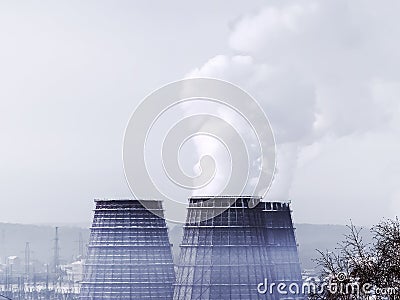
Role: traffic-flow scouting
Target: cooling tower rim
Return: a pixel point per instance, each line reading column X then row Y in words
column 225, row 197
column 240, row 197
column 126, row 199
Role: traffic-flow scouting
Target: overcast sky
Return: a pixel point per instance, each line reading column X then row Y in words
column 327, row 74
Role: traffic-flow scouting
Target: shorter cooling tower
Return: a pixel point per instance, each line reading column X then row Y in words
column 129, row 254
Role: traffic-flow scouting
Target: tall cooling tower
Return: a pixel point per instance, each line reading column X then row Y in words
column 129, row 254
column 228, row 256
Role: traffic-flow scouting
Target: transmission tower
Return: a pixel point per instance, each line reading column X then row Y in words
column 56, row 258
column 27, row 261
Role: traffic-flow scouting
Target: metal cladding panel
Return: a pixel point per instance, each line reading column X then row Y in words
column 129, row 254
column 227, row 256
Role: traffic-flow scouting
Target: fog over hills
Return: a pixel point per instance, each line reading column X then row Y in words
column 13, row 238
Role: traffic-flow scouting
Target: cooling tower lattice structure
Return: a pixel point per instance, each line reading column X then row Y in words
column 227, row 256
column 281, row 243
column 129, row 254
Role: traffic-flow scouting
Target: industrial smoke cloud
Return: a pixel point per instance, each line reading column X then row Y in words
column 327, row 75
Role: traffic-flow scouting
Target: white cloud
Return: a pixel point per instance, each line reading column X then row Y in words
column 260, row 31
column 325, row 72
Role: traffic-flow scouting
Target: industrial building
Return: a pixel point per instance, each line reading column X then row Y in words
column 129, row 254
column 227, row 256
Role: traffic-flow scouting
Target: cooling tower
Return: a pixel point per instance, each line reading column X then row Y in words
column 228, row 256
column 129, row 254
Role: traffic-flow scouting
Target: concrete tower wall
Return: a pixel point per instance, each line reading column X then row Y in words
column 129, row 254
